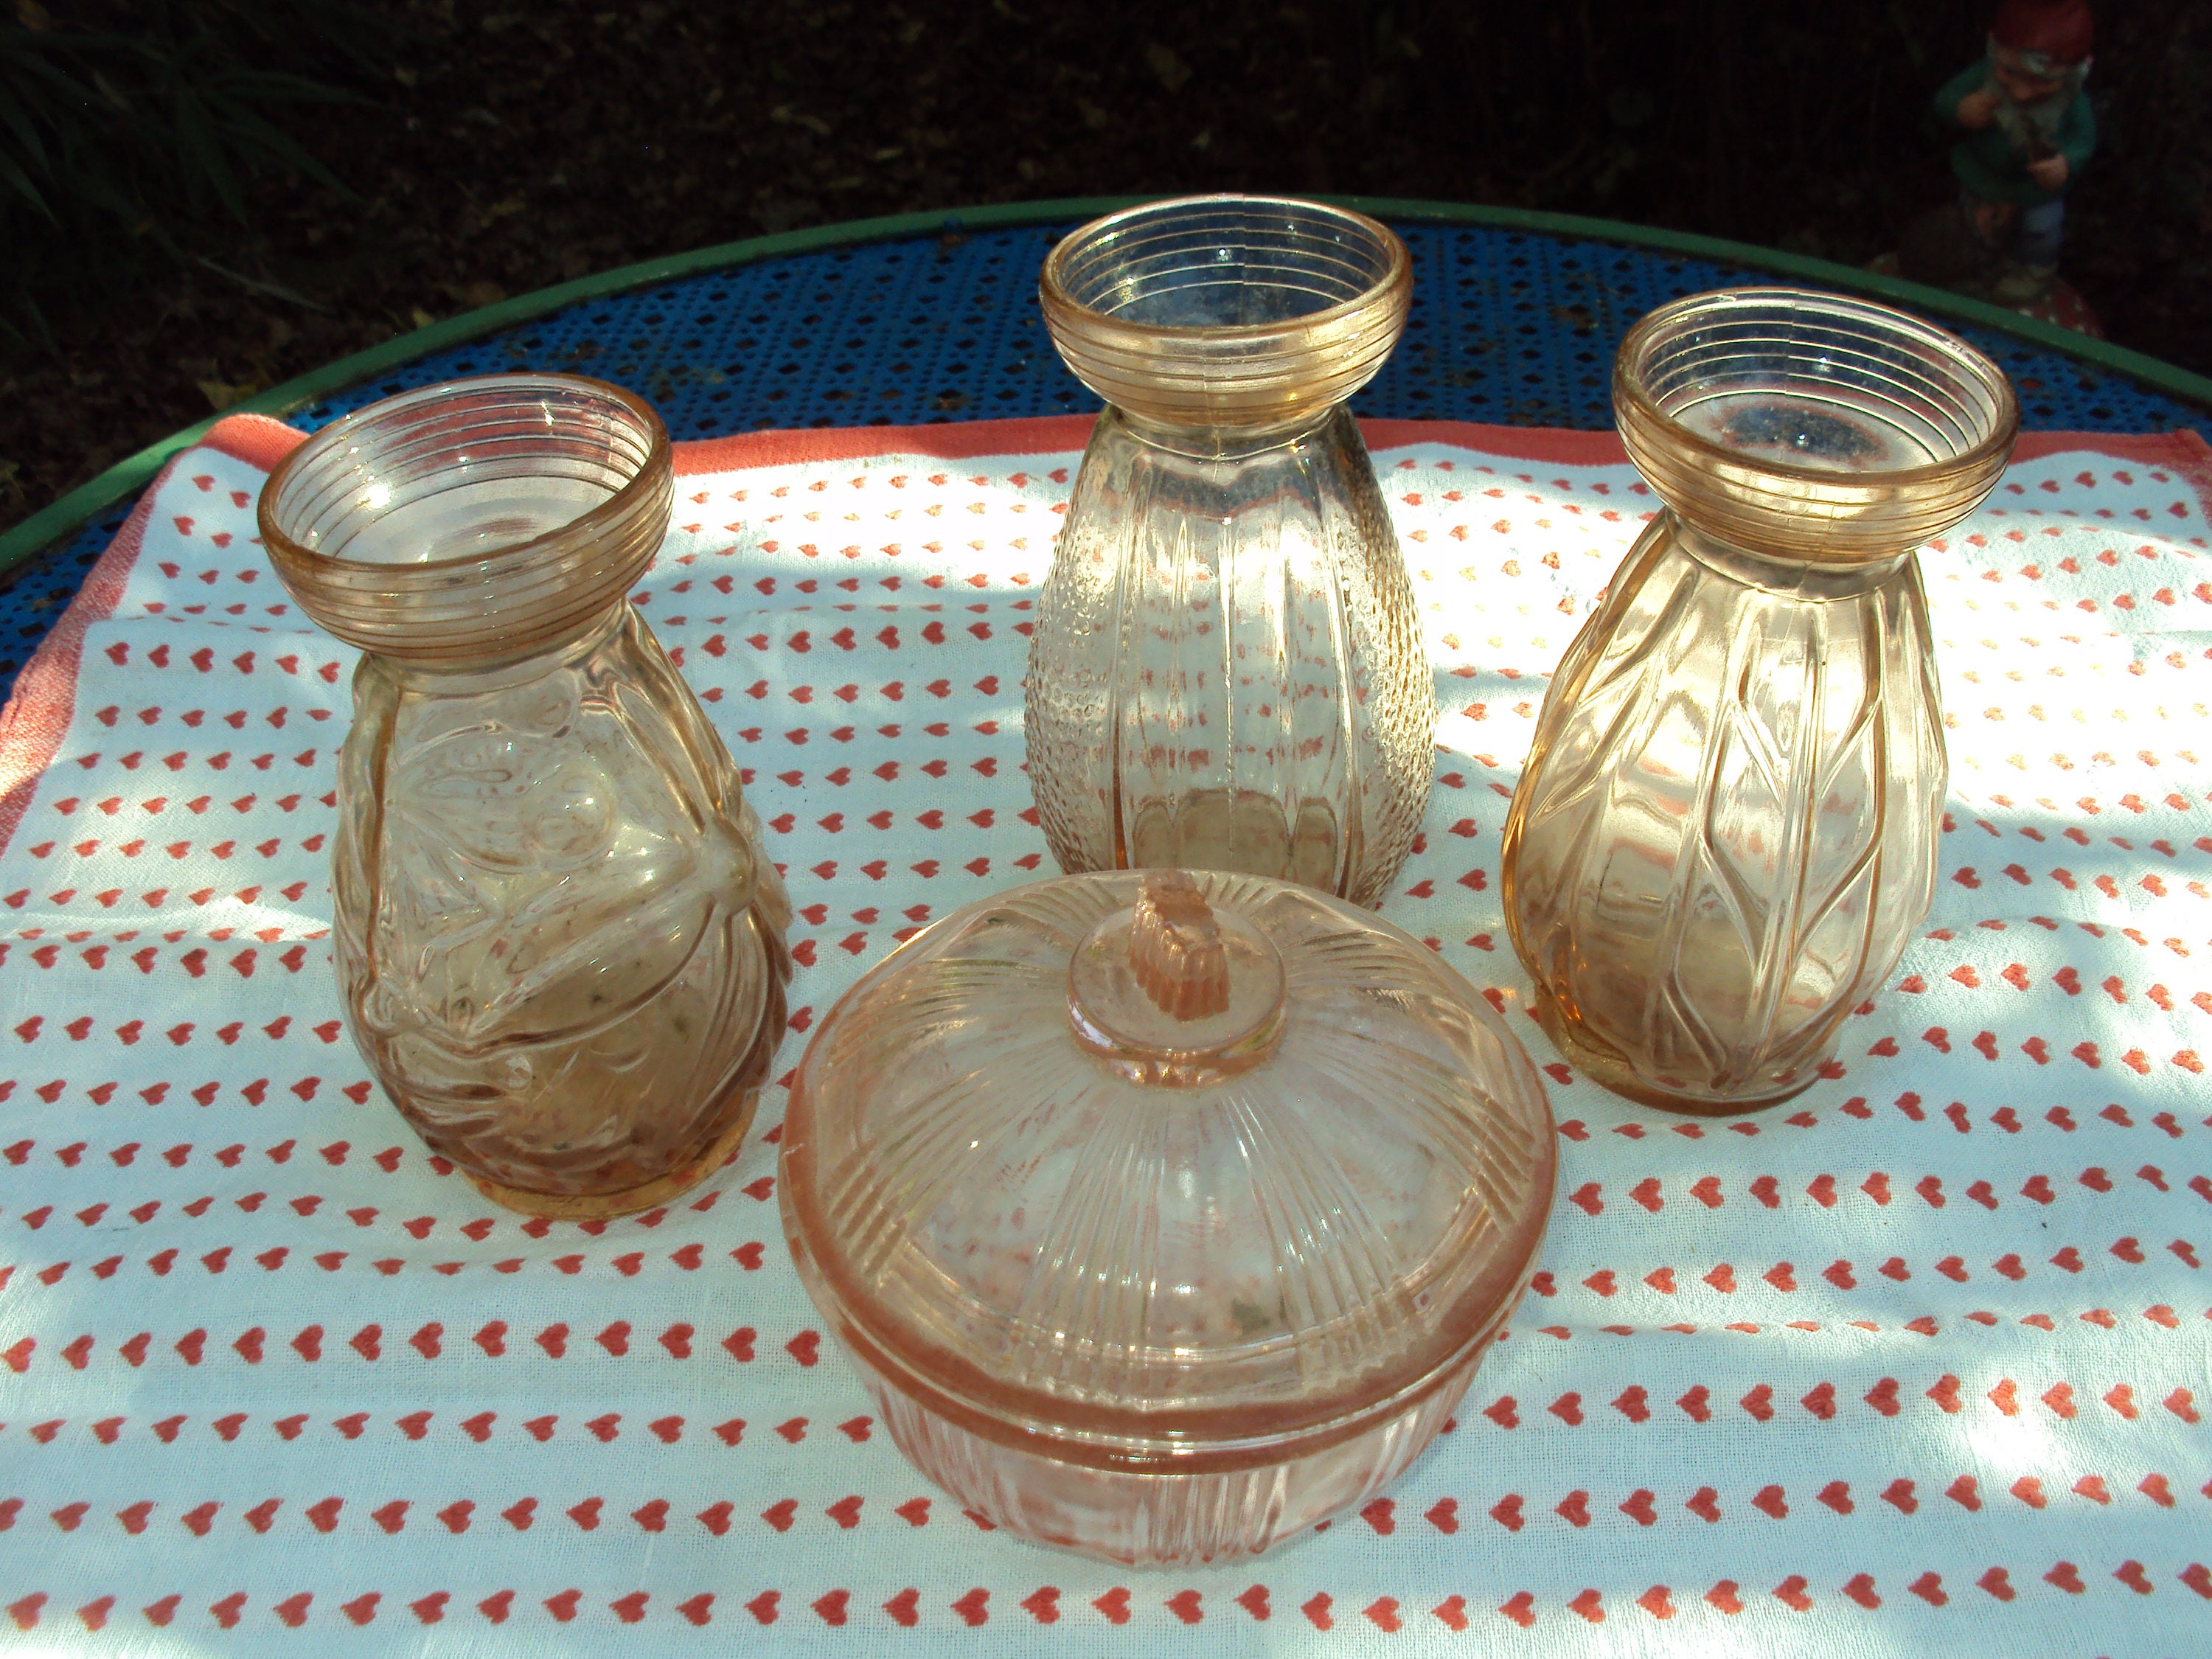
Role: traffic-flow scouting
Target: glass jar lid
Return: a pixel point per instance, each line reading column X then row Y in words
column 1166, row 1169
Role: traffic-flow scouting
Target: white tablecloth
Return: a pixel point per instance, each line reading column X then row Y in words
column 1917, row 1364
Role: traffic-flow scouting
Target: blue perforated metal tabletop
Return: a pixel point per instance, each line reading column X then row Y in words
column 1511, row 326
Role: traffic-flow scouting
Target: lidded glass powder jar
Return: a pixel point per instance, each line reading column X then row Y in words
column 560, row 948
column 1727, row 829
column 1227, row 670
column 1165, row 1214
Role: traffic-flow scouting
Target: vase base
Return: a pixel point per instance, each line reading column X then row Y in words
column 1602, row 1068
column 688, row 1172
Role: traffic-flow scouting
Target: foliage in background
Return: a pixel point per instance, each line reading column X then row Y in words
column 499, row 146
column 130, row 132
column 1803, row 126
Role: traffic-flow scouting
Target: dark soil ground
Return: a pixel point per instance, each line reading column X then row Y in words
column 503, row 147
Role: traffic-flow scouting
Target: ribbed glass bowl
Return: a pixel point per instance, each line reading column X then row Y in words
column 1164, row 1215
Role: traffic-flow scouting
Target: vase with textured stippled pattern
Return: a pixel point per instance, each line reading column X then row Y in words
column 1227, row 670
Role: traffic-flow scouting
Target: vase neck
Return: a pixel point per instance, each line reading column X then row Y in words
column 448, row 678
column 1785, row 577
column 1202, row 441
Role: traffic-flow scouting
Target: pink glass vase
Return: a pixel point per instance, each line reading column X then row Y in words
column 1227, row 670
column 1727, row 829
column 559, row 947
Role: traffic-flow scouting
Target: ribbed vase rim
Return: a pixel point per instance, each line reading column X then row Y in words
column 1399, row 271
column 1628, row 385
column 608, row 513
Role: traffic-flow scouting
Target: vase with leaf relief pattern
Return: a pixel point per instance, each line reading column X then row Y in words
column 1727, row 829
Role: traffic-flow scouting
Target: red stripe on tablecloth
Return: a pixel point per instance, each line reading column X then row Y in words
column 2166, row 449
column 1050, row 434
column 964, row 440
column 1549, row 446
column 254, row 439
column 38, row 714
column 2181, row 451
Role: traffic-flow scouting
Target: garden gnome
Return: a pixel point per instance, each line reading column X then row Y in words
column 2026, row 133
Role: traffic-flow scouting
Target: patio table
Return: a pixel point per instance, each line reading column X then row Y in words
column 1916, row 1364
column 930, row 317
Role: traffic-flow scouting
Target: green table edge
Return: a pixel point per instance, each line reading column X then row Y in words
column 129, row 475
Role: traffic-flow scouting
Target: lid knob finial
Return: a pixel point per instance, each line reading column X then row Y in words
column 1174, row 947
